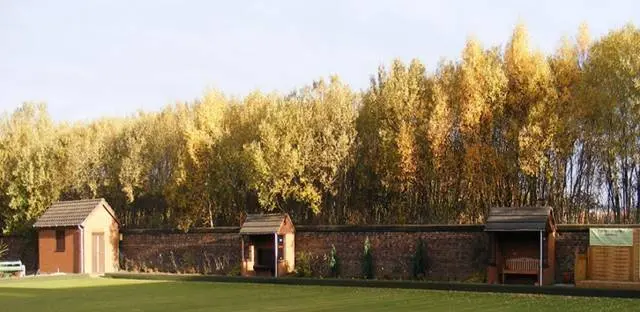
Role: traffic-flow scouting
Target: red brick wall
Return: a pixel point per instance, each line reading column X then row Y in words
column 50, row 260
column 567, row 242
column 452, row 252
column 449, row 255
column 209, row 252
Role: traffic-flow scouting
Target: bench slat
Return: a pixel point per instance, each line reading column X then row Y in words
column 10, row 263
column 520, row 272
column 11, row 270
column 522, row 265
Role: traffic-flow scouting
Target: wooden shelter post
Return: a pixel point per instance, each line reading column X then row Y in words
column 242, row 246
column 275, row 252
column 540, row 263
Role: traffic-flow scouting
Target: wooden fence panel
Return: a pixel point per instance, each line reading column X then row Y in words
column 610, row 263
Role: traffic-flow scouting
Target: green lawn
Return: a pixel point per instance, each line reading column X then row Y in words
column 115, row 295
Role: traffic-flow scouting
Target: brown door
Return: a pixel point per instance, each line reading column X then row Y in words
column 97, row 253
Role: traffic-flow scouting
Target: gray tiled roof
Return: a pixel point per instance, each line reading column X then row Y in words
column 69, row 213
column 262, row 224
column 518, row 218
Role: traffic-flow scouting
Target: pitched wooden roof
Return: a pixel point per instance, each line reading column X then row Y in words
column 71, row 213
column 257, row 224
column 532, row 218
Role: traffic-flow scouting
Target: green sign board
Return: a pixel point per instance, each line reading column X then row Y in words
column 610, row 237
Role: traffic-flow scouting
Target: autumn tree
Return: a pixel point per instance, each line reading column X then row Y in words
column 499, row 126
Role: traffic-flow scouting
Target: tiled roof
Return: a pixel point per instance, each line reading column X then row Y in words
column 262, row 224
column 69, row 213
column 519, row 218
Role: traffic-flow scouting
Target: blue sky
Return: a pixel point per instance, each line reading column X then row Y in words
column 88, row 59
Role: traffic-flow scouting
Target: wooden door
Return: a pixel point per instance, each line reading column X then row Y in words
column 97, row 253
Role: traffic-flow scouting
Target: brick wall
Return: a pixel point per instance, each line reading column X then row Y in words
column 52, row 260
column 454, row 252
column 451, row 254
column 567, row 242
column 209, row 252
column 23, row 248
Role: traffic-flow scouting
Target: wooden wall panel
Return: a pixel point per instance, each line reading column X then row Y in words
column 636, row 255
column 610, row 263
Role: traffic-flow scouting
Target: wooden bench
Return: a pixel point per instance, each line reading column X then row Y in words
column 12, row 267
column 524, row 266
column 261, row 269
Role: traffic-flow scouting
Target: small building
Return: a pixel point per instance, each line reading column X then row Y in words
column 79, row 236
column 521, row 245
column 268, row 245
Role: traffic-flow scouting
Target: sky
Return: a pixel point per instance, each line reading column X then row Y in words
column 89, row 59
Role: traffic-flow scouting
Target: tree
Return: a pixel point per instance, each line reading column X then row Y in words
column 530, row 118
column 496, row 127
column 612, row 92
column 302, row 149
column 482, row 89
column 387, row 145
column 29, row 176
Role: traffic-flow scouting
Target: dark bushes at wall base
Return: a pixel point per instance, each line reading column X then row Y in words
column 367, row 260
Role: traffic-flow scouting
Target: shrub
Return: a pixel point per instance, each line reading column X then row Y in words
column 188, row 262
column 206, row 263
column 303, row 264
column 418, row 262
column 172, row 257
column 367, row 260
column 236, row 270
column 334, row 262
column 477, row 277
column 4, row 249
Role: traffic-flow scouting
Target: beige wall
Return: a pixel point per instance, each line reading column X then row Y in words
column 100, row 221
column 290, row 251
column 50, row 260
column 248, row 261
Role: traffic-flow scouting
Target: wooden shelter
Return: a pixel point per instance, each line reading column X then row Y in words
column 268, row 245
column 78, row 236
column 521, row 245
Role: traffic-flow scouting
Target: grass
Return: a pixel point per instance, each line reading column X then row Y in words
column 103, row 294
